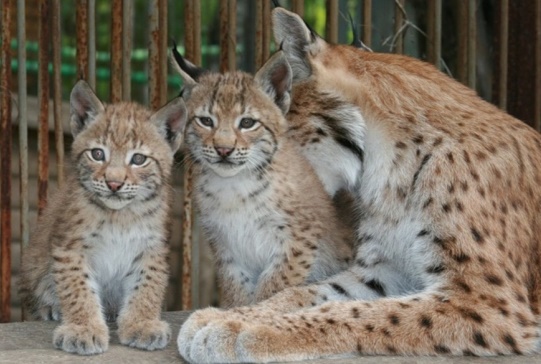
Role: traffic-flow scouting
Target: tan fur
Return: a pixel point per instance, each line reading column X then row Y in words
column 87, row 262
column 443, row 171
column 269, row 220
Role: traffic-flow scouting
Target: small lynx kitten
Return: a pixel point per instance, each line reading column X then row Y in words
column 100, row 248
column 266, row 214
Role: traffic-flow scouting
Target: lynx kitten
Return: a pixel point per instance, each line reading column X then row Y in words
column 269, row 220
column 100, row 248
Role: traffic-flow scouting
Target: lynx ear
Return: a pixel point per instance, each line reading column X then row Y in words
column 171, row 120
column 296, row 39
column 275, row 79
column 84, row 106
column 189, row 72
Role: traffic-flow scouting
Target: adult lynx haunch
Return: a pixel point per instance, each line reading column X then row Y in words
column 448, row 189
column 100, row 248
column 270, row 223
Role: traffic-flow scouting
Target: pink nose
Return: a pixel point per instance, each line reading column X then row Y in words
column 224, row 151
column 114, row 186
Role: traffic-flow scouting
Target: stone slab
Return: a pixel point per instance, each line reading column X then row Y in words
column 31, row 342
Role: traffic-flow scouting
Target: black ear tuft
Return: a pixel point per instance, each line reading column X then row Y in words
column 187, row 67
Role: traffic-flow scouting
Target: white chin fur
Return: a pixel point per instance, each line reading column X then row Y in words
column 114, row 203
column 225, row 172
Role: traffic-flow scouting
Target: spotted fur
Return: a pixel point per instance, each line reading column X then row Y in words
column 269, row 220
column 100, row 247
column 447, row 189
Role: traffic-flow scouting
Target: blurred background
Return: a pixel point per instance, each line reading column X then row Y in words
column 121, row 46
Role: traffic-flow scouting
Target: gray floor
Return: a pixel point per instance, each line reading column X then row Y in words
column 30, row 342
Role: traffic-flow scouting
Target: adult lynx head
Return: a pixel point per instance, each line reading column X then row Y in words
column 122, row 152
column 235, row 120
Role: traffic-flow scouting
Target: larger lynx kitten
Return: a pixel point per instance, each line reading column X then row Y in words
column 100, row 248
column 269, row 220
column 448, row 186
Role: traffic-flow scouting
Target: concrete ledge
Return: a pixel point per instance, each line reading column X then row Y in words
column 31, row 342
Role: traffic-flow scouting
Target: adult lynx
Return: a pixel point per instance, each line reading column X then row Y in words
column 100, row 248
column 269, row 220
column 448, row 186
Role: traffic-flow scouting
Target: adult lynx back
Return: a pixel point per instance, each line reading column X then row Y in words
column 447, row 260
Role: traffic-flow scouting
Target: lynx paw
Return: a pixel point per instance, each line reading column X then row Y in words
column 83, row 340
column 193, row 324
column 148, row 335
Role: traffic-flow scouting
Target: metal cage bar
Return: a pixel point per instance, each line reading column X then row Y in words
column 57, row 90
column 116, row 51
column 434, row 32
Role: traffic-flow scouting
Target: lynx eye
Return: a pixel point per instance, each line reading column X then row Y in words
column 97, row 154
column 247, row 123
column 205, row 121
column 138, row 159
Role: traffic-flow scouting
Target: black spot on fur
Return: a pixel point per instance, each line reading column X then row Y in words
column 416, row 175
column 479, row 339
column 339, row 289
column 376, row 286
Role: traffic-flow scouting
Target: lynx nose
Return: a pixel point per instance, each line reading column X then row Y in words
column 224, row 151
column 114, row 185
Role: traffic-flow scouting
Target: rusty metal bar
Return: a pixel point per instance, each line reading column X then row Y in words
column 187, row 226
column 367, row 23
column 5, row 164
column 398, row 24
column 232, row 39
column 116, row 51
column 57, row 91
column 23, row 121
column 188, row 30
column 224, row 36
column 81, row 24
column 43, row 102
column 196, row 29
column 462, row 47
column 154, row 66
column 504, row 50
column 537, row 100
column 434, row 32
column 127, row 31
column 162, row 49
column 331, row 25
column 266, row 36
column 92, row 43
column 258, row 34
column 297, row 6
column 472, row 43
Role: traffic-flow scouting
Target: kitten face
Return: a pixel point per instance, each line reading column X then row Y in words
column 234, row 130
column 121, row 157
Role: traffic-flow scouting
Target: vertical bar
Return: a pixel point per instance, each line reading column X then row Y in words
column 43, row 102
column 462, row 48
column 81, row 20
column 162, row 50
column 196, row 29
column 57, row 91
column 367, row 23
column 116, row 51
column 188, row 30
column 224, row 36
column 232, row 40
column 23, row 121
column 472, row 43
column 187, row 225
column 398, row 23
column 266, row 37
column 297, row 6
column 127, row 31
column 504, row 50
column 153, row 55
column 258, row 34
column 434, row 32
column 5, row 169
column 537, row 101
column 331, row 27
column 91, row 63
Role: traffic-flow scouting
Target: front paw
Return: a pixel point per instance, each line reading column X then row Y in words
column 147, row 334
column 81, row 339
column 216, row 342
column 197, row 321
